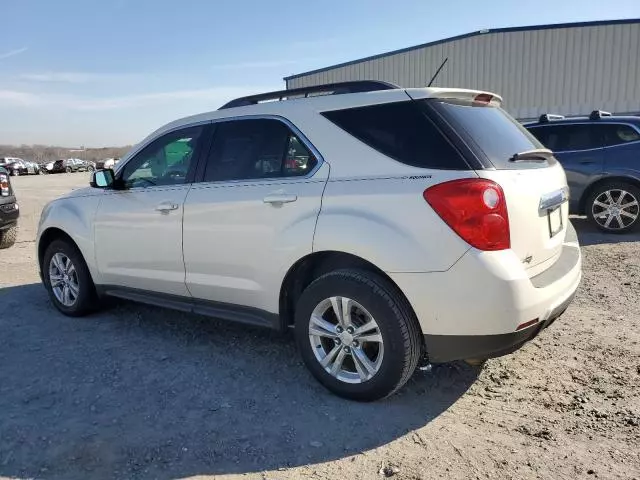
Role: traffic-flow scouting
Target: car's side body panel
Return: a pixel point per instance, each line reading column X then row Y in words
column 137, row 245
column 74, row 215
column 397, row 231
column 238, row 246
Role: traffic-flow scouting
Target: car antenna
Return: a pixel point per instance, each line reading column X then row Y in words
column 437, row 72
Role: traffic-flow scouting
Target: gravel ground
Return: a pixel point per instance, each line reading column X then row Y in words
column 139, row 392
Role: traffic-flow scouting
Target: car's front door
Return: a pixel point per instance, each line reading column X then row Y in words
column 579, row 148
column 138, row 227
column 253, row 214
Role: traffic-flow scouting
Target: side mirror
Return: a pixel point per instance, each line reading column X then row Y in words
column 102, row 178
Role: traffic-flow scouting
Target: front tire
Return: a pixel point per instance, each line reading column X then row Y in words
column 614, row 207
column 67, row 279
column 8, row 237
column 357, row 334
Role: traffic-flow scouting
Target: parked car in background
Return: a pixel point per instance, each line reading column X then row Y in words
column 35, row 166
column 107, row 163
column 601, row 156
column 5, row 160
column 82, row 165
column 9, row 211
column 59, row 166
column 451, row 241
column 69, row 165
column 22, row 167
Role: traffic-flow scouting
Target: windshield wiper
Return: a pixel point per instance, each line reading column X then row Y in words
column 537, row 155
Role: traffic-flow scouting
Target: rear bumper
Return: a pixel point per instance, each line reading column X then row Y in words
column 447, row 348
column 474, row 309
column 9, row 213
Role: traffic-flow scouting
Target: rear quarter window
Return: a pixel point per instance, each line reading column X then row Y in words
column 401, row 131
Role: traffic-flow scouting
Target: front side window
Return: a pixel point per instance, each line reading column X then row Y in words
column 256, row 149
column 617, row 134
column 166, row 161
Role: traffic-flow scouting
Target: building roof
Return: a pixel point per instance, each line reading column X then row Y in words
column 472, row 34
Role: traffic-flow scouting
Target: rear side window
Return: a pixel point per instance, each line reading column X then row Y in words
column 255, row 149
column 618, row 134
column 568, row 138
column 401, row 131
column 492, row 130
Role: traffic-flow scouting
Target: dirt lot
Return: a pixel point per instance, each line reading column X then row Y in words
column 138, row 392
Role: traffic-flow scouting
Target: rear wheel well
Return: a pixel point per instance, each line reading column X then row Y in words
column 308, row 268
column 590, row 189
column 49, row 236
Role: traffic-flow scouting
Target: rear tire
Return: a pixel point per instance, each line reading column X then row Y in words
column 614, row 207
column 8, row 237
column 82, row 298
column 391, row 349
column 68, row 170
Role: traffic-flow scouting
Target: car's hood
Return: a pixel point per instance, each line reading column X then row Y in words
column 81, row 192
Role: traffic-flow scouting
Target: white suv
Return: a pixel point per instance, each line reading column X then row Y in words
column 388, row 226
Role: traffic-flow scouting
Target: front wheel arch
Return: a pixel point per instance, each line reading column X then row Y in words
column 49, row 236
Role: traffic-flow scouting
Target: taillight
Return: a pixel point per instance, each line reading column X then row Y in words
column 475, row 209
column 4, row 185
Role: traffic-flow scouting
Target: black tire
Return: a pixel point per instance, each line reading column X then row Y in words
column 8, row 237
column 396, row 321
column 614, row 226
column 87, row 300
column 68, row 170
column 12, row 173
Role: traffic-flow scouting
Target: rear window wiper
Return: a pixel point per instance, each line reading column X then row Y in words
column 536, row 155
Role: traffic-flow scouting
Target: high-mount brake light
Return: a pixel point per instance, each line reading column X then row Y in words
column 483, row 98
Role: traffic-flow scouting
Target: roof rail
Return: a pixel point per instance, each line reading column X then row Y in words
column 598, row 114
column 328, row 89
column 548, row 117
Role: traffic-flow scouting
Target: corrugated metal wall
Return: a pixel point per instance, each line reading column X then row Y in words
column 561, row 70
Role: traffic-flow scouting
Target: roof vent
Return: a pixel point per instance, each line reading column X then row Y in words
column 598, row 114
column 548, row 117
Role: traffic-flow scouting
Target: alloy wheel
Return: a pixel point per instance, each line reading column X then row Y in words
column 346, row 340
column 64, row 279
column 615, row 209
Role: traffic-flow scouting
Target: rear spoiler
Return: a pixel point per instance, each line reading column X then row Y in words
column 476, row 96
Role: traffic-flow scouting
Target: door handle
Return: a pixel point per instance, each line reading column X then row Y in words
column 279, row 198
column 587, row 162
column 165, row 207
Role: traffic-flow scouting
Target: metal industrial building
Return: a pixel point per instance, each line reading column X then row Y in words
column 570, row 68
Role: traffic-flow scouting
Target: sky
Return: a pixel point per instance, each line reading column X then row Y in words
column 107, row 73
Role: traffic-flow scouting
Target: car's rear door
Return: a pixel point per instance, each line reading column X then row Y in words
column 253, row 213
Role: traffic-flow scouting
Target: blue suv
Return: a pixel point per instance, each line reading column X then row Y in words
column 601, row 156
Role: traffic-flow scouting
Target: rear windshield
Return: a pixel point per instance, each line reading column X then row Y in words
column 494, row 132
column 401, row 131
